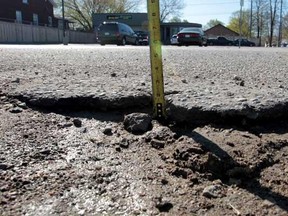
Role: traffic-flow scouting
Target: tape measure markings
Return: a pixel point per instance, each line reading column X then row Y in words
column 156, row 59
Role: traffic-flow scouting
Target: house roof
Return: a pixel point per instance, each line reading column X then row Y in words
column 61, row 18
column 182, row 24
column 220, row 30
column 53, row 3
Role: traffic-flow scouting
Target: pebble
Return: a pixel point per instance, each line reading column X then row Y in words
column 77, row 122
column 17, row 80
column 164, row 181
column 16, row 110
column 66, row 125
column 3, row 166
column 84, row 130
column 157, row 144
column 8, row 106
column 212, row 191
column 241, row 99
column 124, row 144
column 107, row 131
column 268, row 204
column 164, row 206
column 22, row 105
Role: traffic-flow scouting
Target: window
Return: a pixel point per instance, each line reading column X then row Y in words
column 25, row 1
column 18, row 16
column 35, row 19
column 49, row 21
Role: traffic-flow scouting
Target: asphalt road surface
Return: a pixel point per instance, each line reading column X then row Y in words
column 201, row 83
column 58, row 159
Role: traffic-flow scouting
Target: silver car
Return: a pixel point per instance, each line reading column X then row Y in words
column 174, row 39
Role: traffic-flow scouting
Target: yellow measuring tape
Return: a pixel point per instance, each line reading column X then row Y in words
column 159, row 109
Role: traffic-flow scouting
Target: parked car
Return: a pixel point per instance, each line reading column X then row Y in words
column 174, row 40
column 220, row 41
column 244, row 42
column 284, row 44
column 192, row 36
column 116, row 33
column 143, row 37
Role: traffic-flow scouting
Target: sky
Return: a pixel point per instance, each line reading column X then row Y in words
column 202, row 11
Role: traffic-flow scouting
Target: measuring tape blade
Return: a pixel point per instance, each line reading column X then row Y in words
column 159, row 110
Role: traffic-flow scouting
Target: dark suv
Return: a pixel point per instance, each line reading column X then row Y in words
column 116, row 33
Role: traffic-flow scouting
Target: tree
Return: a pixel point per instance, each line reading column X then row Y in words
column 273, row 8
column 260, row 9
column 170, row 8
column 285, row 27
column 234, row 23
column 81, row 11
column 175, row 20
column 266, row 15
column 212, row 23
column 178, row 20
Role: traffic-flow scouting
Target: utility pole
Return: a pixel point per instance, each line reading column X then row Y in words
column 63, row 23
column 280, row 24
column 240, row 22
column 251, row 13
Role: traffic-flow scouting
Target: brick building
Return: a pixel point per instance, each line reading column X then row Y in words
column 36, row 12
column 220, row 30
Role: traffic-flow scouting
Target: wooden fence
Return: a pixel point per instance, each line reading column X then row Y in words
column 16, row 33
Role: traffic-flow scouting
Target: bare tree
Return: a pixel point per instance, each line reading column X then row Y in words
column 81, row 11
column 273, row 9
column 260, row 9
column 266, row 14
column 123, row 6
column 170, row 8
column 285, row 26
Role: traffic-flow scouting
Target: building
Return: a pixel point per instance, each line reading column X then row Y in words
column 139, row 21
column 220, row 30
column 36, row 12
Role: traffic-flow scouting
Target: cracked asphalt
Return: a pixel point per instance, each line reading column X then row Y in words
column 65, row 150
column 200, row 83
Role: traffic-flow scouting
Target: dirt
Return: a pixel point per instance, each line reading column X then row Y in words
column 85, row 163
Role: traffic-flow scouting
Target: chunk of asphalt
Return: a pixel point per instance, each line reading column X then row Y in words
column 138, row 123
